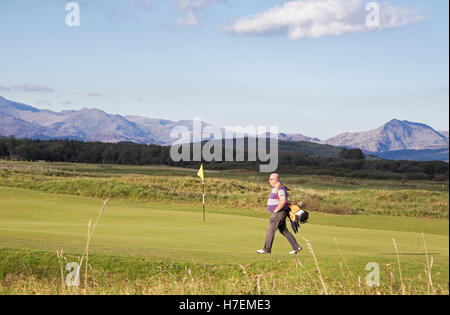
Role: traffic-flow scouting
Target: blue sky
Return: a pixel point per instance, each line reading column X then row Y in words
column 243, row 62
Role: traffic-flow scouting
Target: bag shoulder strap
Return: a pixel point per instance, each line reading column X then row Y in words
column 277, row 188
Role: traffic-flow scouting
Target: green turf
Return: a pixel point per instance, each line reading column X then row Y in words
column 41, row 221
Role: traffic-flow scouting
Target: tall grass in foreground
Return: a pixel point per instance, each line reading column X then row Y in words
column 42, row 274
column 90, row 233
column 254, row 280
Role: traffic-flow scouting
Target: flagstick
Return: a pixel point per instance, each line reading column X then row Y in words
column 204, row 215
column 201, row 174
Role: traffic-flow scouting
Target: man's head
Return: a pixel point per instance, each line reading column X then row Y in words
column 274, row 179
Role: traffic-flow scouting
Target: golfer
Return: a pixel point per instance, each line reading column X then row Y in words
column 279, row 209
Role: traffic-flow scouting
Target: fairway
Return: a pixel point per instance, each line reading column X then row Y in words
column 156, row 231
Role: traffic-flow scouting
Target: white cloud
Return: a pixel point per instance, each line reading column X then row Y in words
column 317, row 18
column 193, row 4
column 32, row 88
column 191, row 9
column 189, row 20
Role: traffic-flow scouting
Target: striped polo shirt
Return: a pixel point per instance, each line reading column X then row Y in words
column 273, row 201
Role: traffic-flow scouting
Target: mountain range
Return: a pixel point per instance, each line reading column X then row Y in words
column 395, row 140
column 394, row 136
column 398, row 140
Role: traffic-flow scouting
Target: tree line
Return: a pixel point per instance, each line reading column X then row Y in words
column 350, row 163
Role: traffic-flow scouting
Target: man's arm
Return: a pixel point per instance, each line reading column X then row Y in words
column 282, row 204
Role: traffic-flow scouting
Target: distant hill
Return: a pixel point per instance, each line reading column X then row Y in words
column 417, row 155
column 10, row 125
column 25, row 121
column 306, row 148
column 159, row 129
column 444, row 133
column 310, row 148
column 404, row 139
column 296, row 137
column 396, row 135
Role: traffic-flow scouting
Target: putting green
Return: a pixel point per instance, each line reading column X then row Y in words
column 42, row 221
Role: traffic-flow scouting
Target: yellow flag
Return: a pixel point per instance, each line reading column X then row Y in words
column 200, row 173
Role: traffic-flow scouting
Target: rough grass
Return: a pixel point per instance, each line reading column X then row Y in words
column 35, row 272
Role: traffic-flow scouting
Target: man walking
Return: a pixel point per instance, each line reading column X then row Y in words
column 278, row 206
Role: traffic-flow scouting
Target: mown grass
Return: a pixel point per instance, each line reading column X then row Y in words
column 241, row 191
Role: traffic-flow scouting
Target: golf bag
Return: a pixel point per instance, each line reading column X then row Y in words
column 297, row 217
